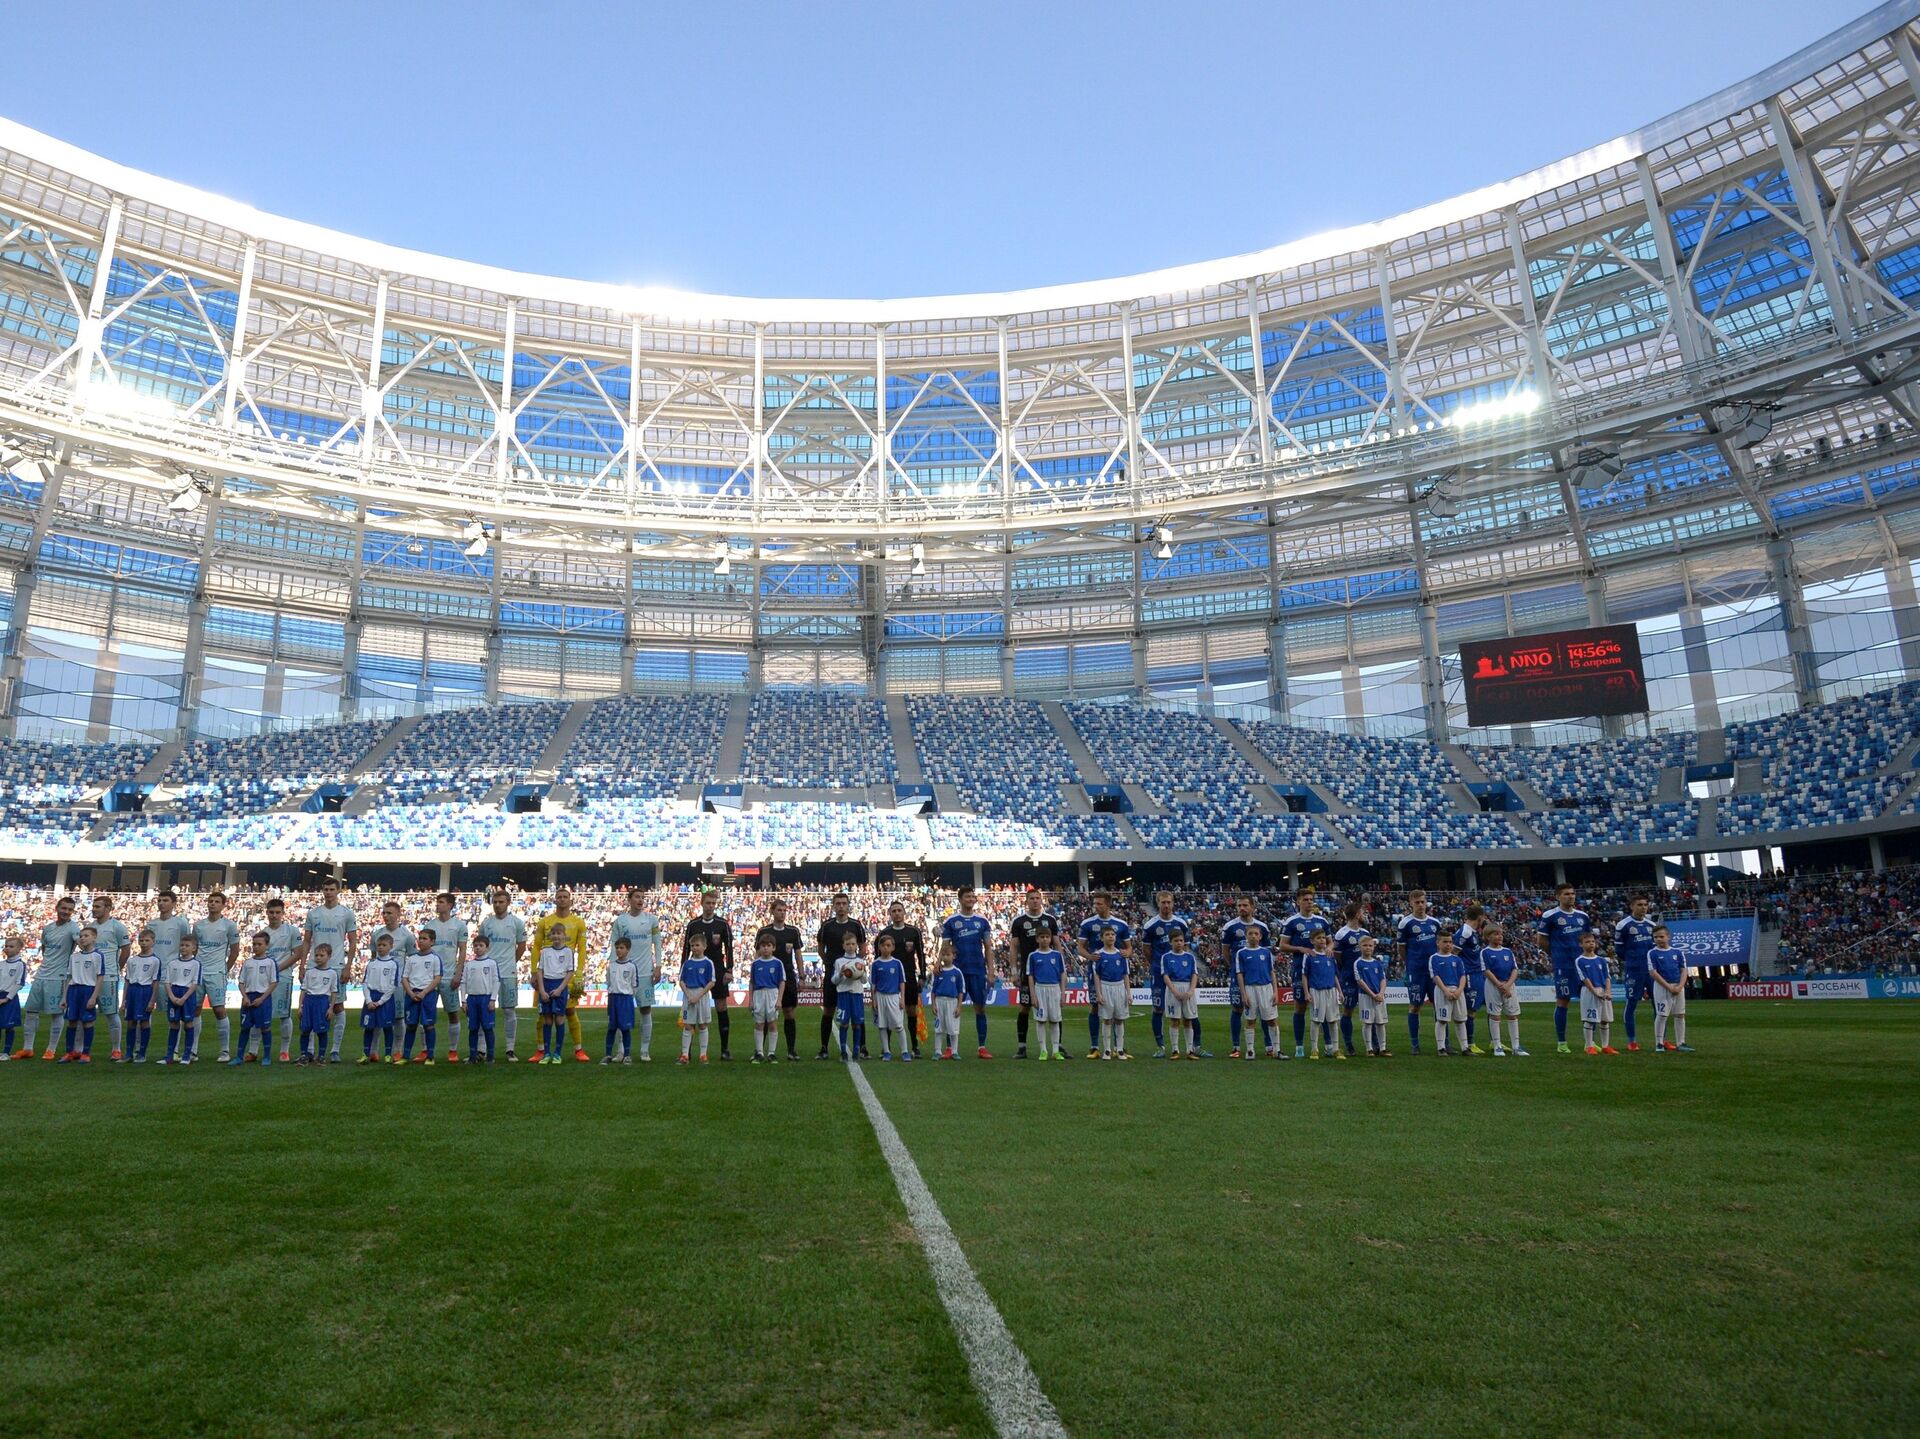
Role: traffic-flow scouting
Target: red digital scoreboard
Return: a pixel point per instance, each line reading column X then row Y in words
column 1565, row 675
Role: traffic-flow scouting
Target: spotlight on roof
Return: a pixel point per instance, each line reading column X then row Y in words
column 188, row 496
column 919, row 554
column 1163, row 539
column 477, row 538
column 474, row 530
column 1746, row 424
column 722, row 558
column 1595, row 468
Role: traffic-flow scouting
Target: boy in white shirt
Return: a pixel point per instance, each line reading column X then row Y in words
column 850, row 989
column 379, row 983
column 480, row 991
column 551, row 980
column 182, row 976
column 259, row 979
column 136, row 1002
column 1668, row 967
column 85, row 977
column 697, row 975
column 420, row 983
column 319, row 1002
column 13, row 979
column 623, row 985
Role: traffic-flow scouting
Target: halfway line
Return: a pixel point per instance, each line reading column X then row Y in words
column 1013, row 1397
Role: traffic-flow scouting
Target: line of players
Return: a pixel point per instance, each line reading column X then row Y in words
column 1331, row 973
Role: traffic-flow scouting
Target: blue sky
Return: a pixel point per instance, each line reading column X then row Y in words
column 864, row 149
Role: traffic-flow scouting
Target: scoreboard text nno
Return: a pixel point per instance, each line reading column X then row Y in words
column 1559, row 676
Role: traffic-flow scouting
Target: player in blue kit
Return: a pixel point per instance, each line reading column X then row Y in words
column 552, row 979
column 964, row 938
column 1322, row 974
column 1561, row 927
column 480, row 993
column 380, row 989
column 1500, row 989
column 1467, row 944
column 1413, row 934
column 1669, row 968
column 766, row 983
column 420, row 1000
column 1233, row 938
column 1158, row 933
column 1111, row 973
column 889, row 979
column 1449, row 999
column 13, row 979
column 1370, row 974
column 1632, row 939
column 697, row 975
column 1259, row 995
column 1346, row 950
column 948, row 985
column 1596, row 995
column 1180, row 973
column 1046, row 983
column 1102, row 917
column 1296, row 938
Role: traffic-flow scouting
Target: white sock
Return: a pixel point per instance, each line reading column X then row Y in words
column 31, row 1022
column 336, row 1036
column 226, row 1033
column 1606, row 1035
column 686, row 1042
column 1659, row 1029
column 646, row 1032
column 59, row 1028
column 113, row 1023
column 1513, row 1031
column 703, row 1041
column 1679, row 1029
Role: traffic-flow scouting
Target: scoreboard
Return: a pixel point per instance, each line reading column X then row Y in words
column 1564, row 675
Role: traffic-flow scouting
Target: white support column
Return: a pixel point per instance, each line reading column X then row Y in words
column 1793, row 613
column 1262, row 403
column 495, row 584
column 350, row 628
column 25, row 582
column 1700, row 686
column 627, row 645
column 1277, row 669
column 1906, row 611
column 1399, row 411
column 1841, row 300
column 193, row 659
column 1132, row 408
column 237, row 347
column 1537, row 365
column 503, row 418
column 1006, row 423
column 882, row 449
column 759, row 436
column 1683, row 314
column 1433, row 691
column 1595, row 585
column 371, row 399
column 91, row 331
column 633, row 413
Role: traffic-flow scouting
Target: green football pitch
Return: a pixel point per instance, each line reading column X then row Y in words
column 1725, row 1241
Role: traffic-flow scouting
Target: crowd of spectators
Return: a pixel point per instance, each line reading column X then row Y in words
column 24, row 909
column 1849, row 922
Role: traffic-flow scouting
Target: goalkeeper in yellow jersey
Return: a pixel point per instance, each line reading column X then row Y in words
column 576, row 937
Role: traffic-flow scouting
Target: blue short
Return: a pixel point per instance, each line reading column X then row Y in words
column 852, row 1007
column 377, row 1016
column 424, row 1010
column 182, row 1011
column 620, row 1011
column 258, row 1017
column 976, row 982
column 137, row 1003
column 554, row 1006
column 315, row 1013
column 79, row 1006
column 1639, row 986
column 1566, row 983
column 480, row 1010
column 1476, row 990
column 1349, row 992
column 10, row 1013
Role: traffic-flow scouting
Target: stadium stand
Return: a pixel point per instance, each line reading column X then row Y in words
column 807, row 739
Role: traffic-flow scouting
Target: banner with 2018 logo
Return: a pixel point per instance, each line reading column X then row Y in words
column 1714, row 942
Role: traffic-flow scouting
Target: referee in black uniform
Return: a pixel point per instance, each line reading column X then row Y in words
column 910, row 948
column 831, row 942
column 720, row 950
column 1024, row 931
column 786, row 948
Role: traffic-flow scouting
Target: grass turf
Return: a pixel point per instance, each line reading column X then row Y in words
column 1722, row 1241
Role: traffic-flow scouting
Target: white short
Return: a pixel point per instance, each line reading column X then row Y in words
column 1257, row 1004
column 1499, row 1004
column 1326, row 1005
column 1188, row 1008
column 698, row 1013
column 1595, row 1009
column 1046, row 1002
column 766, row 1005
column 946, row 1012
column 1372, row 1011
column 1116, row 999
column 1450, row 1011
column 1667, row 1003
column 889, row 1012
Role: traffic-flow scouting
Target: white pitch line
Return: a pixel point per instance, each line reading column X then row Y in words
column 1014, row 1400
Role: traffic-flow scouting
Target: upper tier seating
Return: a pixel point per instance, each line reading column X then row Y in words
column 1601, row 770
column 468, row 751
column 805, row 739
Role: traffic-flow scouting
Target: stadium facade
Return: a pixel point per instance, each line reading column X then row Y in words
column 258, row 474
